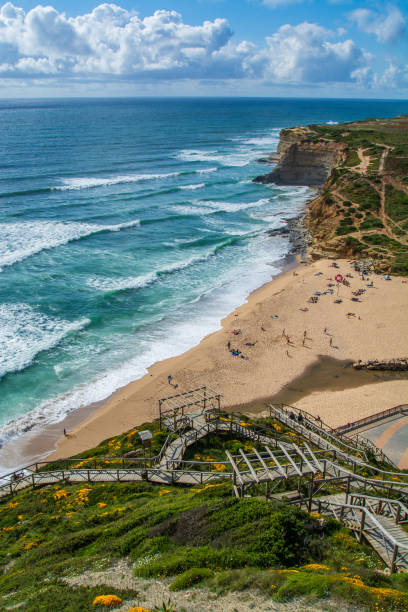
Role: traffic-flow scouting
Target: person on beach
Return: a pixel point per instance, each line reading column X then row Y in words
column 65, row 433
column 331, row 341
column 169, row 379
column 228, row 345
column 283, row 332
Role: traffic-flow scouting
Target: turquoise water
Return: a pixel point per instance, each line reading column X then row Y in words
column 128, row 229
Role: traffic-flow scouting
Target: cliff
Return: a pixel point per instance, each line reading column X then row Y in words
column 303, row 161
column 361, row 170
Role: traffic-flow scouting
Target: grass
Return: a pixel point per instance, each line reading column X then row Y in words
column 196, row 535
column 371, row 222
column 360, row 191
column 396, row 204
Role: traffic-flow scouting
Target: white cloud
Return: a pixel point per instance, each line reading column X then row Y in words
column 111, row 44
column 386, row 27
column 304, row 54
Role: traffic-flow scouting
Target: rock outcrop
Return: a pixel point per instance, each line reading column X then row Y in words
column 303, row 161
column 360, row 171
column 396, row 365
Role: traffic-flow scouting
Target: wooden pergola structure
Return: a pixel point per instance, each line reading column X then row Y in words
column 174, row 407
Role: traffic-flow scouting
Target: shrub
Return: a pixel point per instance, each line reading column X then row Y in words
column 371, row 222
column 107, row 601
column 342, row 230
column 396, row 203
column 190, row 577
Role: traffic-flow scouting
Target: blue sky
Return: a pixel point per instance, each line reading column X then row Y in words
column 316, row 48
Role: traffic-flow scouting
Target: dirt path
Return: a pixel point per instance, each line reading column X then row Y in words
column 156, row 592
column 364, row 161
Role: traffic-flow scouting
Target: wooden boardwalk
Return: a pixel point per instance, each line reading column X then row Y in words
column 379, row 529
column 366, row 505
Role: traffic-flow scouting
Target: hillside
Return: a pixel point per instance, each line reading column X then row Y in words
column 65, row 544
column 361, row 170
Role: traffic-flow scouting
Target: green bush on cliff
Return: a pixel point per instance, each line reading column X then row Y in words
column 342, row 230
column 396, row 203
column 371, row 222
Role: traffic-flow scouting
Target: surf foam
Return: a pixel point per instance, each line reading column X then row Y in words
column 25, row 332
column 21, row 240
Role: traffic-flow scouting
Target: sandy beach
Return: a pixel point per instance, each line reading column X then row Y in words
column 288, row 335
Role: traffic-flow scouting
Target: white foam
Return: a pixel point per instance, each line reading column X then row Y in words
column 238, row 158
column 192, row 187
column 119, row 284
column 206, row 170
column 332, row 122
column 25, row 332
column 138, row 282
column 88, row 182
column 231, row 206
column 21, row 240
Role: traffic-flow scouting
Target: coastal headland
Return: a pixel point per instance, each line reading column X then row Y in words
column 290, row 347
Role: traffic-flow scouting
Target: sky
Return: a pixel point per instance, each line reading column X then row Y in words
column 285, row 48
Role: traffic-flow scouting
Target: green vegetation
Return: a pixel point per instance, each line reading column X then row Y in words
column 396, row 205
column 342, row 230
column 190, row 577
column 371, row 222
column 360, row 188
column 199, row 535
column 361, row 192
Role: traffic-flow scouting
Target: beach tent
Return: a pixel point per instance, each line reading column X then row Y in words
column 387, row 277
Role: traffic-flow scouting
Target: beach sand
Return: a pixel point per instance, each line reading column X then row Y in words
column 275, row 367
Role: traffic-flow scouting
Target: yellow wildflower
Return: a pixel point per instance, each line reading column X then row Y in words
column 316, row 567
column 164, row 492
column 138, row 609
column 109, row 601
column 102, row 505
column 60, row 494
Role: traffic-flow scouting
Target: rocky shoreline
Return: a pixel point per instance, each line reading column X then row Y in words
column 391, row 365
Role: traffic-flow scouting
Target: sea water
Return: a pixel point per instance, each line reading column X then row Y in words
column 128, row 229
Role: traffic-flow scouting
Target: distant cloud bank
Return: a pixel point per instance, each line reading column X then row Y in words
column 112, row 44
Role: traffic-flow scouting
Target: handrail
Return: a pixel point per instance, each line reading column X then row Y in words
column 319, row 425
column 378, row 416
column 367, row 443
column 372, row 501
column 370, row 516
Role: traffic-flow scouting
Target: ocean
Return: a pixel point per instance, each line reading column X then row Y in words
column 128, row 229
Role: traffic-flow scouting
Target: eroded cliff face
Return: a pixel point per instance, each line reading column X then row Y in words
column 303, row 161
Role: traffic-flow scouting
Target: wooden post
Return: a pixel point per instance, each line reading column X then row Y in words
column 362, row 523
column 397, row 518
column 394, row 558
column 310, row 493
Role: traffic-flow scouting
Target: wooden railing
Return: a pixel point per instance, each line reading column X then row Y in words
column 374, row 418
column 362, row 521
